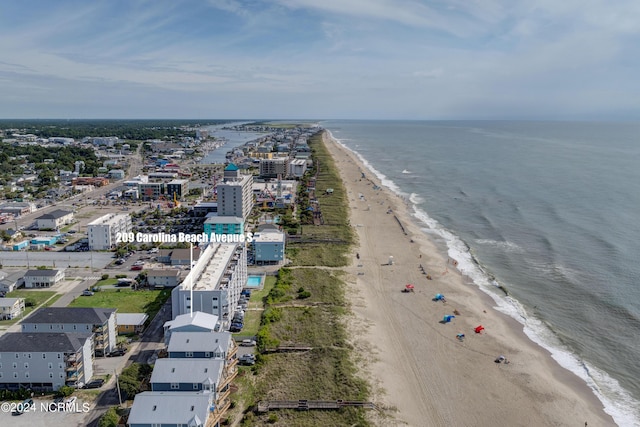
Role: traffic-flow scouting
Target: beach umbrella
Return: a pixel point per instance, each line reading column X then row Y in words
column 410, row 286
column 479, row 329
column 439, row 297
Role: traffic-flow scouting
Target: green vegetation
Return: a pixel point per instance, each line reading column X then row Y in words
column 132, row 378
column 32, row 299
column 327, row 244
column 107, row 281
column 126, row 300
column 110, row 418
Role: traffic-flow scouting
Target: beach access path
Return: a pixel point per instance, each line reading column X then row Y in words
column 419, row 370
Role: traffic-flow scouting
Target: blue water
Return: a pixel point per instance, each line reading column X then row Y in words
column 234, row 139
column 549, row 210
column 254, row 281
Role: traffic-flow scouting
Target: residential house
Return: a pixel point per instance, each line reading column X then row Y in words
column 198, row 345
column 45, row 362
column 198, row 375
column 223, row 225
column 42, row 278
column 191, row 322
column 164, row 278
column 99, row 321
column 131, row 323
column 172, row 409
column 54, row 220
column 268, row 246
column 11, row 308
column 11, row 282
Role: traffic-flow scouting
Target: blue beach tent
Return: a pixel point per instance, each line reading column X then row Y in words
column 447, row 318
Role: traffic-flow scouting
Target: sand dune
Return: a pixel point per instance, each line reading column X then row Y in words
column 419, row 366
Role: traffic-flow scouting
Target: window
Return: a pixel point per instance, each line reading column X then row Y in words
column 15, row 365
column 26, row 366
column 189, row 354
column 50, row 365
column 50, row 374
column 207, row 354
column 26, row 374
column 15, row 375
column 44, row 355
column 195, row 386
column 175, row 386
column 17, row 356
column 59, row 356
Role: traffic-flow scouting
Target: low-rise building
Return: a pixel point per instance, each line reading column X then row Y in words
column 165, row 278
column 177, row 189
column 268, row 246
column 54, row 219
column 199, row 345
column 101, row 322
column 42, row 278
column 190, row 322
column 297, row 168
column 151, row 190
column 11, row 308
column 173, row 409
column 45, row 362
column 131, row 323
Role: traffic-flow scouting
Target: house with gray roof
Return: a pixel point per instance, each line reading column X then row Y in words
column 45, row 362
column 198, row 345
column 10, row 308
column 99, row 321
column 131, row 323
column 54, row 219
column 42, row 278
column 186, row 375
column 172, row 409
column 197, row 321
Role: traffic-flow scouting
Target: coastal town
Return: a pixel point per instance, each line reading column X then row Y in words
column 139, row 272
column 284, row 285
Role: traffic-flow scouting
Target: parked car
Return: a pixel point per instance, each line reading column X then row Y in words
column 137, row 267
column 87, row 293
column 120, row 261
column 247, row 359
column 95, row 383
column 117, row 352
column 23, row 407
column 248, row 343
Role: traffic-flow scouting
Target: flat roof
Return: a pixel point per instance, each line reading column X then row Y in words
column 214, row 219
column 211, row 266
column 269, row 236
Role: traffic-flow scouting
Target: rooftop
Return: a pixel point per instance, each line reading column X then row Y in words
column 8, row 302
column 170, row 407
column 19, row 341
column 136, row 319
column 58, row 213
column 41, row 273
column 203, row 320
column 81, row 315
column 211, row 267
column 202, row 371
column 199, row 341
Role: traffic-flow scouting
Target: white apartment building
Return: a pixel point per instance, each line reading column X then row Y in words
column 235, row 195
column 217, row 280
column 102, row 232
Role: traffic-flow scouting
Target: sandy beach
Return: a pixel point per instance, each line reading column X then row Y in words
column 420, row 370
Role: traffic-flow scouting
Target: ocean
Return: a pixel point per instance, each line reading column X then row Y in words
column 547, row 210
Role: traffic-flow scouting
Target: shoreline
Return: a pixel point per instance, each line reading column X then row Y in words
column 426, row 373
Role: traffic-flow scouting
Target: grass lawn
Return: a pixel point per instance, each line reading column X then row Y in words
column 110, row 281
column 256, row 305
column 126, row 301
column 39, row 298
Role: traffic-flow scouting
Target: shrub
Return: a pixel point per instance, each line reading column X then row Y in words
column 303, row 295
column 105, row 276
column 65, row 391
column 110, row 418
column 273, row 418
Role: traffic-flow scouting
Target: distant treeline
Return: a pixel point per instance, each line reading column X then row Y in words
column 123, row 129
column 63, row 158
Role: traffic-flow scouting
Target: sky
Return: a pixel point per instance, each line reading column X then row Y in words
column 320, row 59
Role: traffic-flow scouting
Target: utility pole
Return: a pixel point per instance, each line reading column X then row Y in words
column 118, row 387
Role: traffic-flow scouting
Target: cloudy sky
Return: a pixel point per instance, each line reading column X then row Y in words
column 320, row 59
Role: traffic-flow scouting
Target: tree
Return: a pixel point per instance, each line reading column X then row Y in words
column 110, row 418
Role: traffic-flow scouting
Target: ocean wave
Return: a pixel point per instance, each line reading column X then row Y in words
column 616, row 401
column 415, row 199
column 501, row 244
column 382, row 177
column 406, row 171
